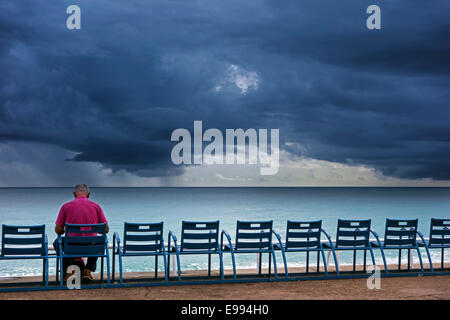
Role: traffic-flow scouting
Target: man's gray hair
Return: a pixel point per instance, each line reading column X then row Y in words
column 81, row 188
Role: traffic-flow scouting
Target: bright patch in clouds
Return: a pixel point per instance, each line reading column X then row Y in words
column 241, row 78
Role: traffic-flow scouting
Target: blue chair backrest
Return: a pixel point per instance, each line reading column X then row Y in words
column 23, row 240
column 400, row 232
column 143, row 237
column 197, row 235
column 440, row 232
column 353, row 233
column 85, row 245
column 253, row 235
column 303, row 234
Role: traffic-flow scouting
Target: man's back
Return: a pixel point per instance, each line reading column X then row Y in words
column 81, row 210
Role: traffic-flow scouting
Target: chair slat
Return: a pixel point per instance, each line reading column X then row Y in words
column 84, row 250
column 312, row 234
column 7, row 251
column 304, row 224
column 198, row 246
column 401, row 223
column 199, row 236
column 400, row 233
column 252, row 245
column 440, row 232
column 143, row 237
column 22, row 230
column 143, row 227
column 86, row 228
column 254, row 235
column 208, row 225
column 351, row 243
column 354, row 223
column 399, row 242
column 142, row 247
column 302, row 244
column 439, row 241
column 23, row 241
column 74, row 240
column 248, row 225
column 354, row 233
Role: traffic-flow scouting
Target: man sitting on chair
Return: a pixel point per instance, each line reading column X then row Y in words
column 79, row 211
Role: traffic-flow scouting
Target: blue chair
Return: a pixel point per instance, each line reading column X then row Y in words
column 140, row 239
column 401, row 235
column 26, row 242
column 83, row 246
column 304, row 236
column 251, row 237
column 439, row 238
column 197, row 237
column 354, row 235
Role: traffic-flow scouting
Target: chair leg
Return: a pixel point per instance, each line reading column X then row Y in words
column 209, row 265
column 108, row 274
column 156, row 266
column 166, row 277
column 120, row 269
column 270, row 264
column 399, row 259
column 307, row 261
column 442, row 258
column 354, row 260
column 324, row 262
column 365, row 260
column 113, row 275
column 409, row 259
column 318, row 262
column 260, row 264
column 101, row 274
column 420, row 259
column 43, row 270
column 222, row 276
column 274, row 264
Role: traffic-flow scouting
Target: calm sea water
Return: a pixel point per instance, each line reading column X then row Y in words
column 28, row 206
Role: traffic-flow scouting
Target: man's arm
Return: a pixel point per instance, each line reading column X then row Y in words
column 59, row 229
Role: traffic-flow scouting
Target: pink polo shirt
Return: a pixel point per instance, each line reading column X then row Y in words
column 81, row 210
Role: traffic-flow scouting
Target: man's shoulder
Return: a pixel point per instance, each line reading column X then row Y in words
column 68, row 204
column 92, row 203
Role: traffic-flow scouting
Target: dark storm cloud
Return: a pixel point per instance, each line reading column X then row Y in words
column 114, row 91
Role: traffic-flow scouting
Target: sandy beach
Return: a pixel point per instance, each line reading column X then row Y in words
column 421, row 287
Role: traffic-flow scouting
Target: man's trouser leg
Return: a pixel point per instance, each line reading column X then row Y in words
column 92, row 263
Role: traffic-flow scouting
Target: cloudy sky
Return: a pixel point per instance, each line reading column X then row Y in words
column 98, row 105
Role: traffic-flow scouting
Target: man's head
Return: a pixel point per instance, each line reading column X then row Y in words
column 81, row 190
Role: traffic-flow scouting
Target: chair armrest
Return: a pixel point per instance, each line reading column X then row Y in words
column 280, row 243
column 224, row 233
column 421, row 238
column 174, row 238
column 116, row 238
column 328, row 237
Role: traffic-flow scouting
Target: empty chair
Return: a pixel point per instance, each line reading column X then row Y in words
column 303, row 236
column 140, row 239
column 251, row 237
column 26, row 242
column 401, row 235
column 439, row 238
column 354, row 235
column 197, row 237
column 79, row 245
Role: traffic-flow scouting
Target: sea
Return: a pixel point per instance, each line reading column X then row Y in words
column 172, row 205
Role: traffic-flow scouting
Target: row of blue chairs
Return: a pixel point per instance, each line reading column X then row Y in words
column 146, row 239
